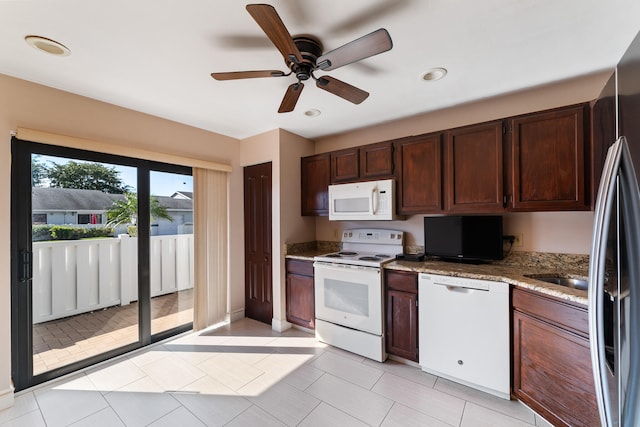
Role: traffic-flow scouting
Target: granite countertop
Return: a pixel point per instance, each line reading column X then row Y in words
column 306, row 251
column 511, row 270
column 512, row 274
column 306, row 255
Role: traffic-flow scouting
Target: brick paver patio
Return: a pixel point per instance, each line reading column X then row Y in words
column 63, row 341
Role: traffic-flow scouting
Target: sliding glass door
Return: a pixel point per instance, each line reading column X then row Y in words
column 171, row 250
column 100, row 265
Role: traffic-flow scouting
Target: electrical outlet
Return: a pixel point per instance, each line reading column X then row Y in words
column 517, row 240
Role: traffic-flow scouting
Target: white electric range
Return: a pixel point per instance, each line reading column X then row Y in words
column 349, row 291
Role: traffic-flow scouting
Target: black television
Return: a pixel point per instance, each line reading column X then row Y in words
column 464, row 238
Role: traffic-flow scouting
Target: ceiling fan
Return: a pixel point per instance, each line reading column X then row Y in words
column 303, row 55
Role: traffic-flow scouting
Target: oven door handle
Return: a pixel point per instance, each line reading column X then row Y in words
column 341, row 267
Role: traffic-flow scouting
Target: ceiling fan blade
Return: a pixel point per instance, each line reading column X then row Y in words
column 291, row 97
column 342, row 89
column 368, row 15
column 372, row 44
column 269, row 20
column 234, row 75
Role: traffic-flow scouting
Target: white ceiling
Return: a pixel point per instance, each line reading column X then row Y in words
column 156, row 56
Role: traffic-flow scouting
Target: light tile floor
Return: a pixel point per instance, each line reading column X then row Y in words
column 244, row 374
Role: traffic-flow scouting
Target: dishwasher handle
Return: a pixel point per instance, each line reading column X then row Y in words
column 455, row 284
column 462, row 289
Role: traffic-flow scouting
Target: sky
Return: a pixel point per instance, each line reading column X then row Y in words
column 162, row 183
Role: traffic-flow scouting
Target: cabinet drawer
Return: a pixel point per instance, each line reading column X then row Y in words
column 564, row 314
column 406, row 281
column 304, row 268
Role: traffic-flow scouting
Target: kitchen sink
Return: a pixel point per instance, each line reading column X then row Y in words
column 562, row 281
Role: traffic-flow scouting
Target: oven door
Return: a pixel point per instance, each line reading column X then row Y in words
column 349, row 295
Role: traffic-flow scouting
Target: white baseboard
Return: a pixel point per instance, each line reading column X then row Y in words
column 280, row 325
column 6, row 398
column 236, row 315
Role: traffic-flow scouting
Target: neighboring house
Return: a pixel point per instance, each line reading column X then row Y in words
column 183, row 195
column 68, row 206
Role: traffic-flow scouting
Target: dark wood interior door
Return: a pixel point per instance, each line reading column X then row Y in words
column 258, row 276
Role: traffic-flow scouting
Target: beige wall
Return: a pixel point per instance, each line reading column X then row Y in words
column 283, row 149
column 558, row 232
column 565, row 232
column 33, row 106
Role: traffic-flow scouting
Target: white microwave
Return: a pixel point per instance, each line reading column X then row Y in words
column 370, row 200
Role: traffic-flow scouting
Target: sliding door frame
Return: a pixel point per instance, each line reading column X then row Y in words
column 21, row 268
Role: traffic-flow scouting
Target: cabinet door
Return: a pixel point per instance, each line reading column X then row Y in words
column 552, row 372
column 345, row 165
column 419, row 171
column 548, row 160
column 402, row 324
column 315, row 185
column 376, row 160
column 300, row 300
column 474, row 176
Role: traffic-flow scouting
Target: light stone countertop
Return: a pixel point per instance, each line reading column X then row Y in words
column 512, row 270
column 514, row 275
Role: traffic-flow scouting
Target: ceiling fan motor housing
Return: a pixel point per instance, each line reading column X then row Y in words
column 310, row 48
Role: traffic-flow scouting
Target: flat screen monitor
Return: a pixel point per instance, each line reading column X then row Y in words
column 463, row 238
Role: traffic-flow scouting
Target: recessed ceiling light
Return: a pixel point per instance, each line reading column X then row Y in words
column 312, row 113
column 434, row 74
column 47, row 45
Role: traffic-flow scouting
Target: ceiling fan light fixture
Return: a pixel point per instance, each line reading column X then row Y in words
column 47, row 45
column 312, row 113
column 433, row 74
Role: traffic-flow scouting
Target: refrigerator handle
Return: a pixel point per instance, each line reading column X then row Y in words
column 630, row 206
column 597, row 264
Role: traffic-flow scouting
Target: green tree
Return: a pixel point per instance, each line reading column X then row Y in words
column 125, row 211
column 87, row 176
column 39, row 172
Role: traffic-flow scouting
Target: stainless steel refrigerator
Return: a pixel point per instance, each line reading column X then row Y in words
column 614, row 270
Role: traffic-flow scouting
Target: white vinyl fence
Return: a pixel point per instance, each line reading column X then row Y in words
column 77, row 276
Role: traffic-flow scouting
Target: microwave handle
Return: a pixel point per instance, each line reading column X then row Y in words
column 375, row 200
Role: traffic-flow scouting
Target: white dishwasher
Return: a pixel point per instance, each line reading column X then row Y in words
column 464, row 331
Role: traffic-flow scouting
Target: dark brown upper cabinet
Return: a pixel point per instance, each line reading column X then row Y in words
column 542, row 161
column 345, row 165
column 419, row 171
column 315, row 185
column 372, row 161
column 474, row 169
column 376, row 160
column 548, row 160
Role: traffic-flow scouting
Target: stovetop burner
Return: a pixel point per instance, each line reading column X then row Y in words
column 359, row 258
column 366, row 247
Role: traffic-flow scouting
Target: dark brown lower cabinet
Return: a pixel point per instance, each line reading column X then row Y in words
column 401, row 295
column 552, row 360
column 300, row 293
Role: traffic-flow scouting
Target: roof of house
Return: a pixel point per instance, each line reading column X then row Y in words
column 172, row 203
column 71, row 199
column 183, row 195
column 66, row 199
